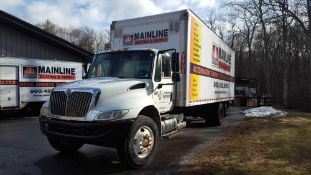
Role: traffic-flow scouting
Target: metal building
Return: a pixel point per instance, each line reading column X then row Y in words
column 21, row 39
column 33, row 61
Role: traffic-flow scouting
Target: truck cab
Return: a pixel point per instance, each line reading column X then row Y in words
column 125, row 101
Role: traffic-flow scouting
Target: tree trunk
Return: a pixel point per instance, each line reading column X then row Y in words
column 309, row 54
column 284, row 54
column 265, row 48
column 309, row 15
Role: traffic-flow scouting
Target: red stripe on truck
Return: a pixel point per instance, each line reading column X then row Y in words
column 30, row 84
column 39, row 84
column 8, row 82
column 203, row 71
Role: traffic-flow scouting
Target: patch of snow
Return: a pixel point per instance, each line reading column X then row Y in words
column 264, row 111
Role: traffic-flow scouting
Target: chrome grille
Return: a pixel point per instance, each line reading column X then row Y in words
column 76, row 104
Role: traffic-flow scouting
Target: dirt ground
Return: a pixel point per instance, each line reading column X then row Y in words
column 259, row 146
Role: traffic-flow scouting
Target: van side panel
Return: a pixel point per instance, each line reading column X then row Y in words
column 36, row 78
column 210, row 65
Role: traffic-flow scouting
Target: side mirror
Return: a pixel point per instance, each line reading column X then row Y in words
column 175, row 62
column 175, row 67
column 176, row 77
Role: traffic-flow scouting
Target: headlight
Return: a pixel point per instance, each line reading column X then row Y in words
column 44, row 111
column 111, row 115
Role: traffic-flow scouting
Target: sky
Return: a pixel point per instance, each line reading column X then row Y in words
column 97, row 14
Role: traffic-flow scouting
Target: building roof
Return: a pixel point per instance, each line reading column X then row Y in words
column 36, row 32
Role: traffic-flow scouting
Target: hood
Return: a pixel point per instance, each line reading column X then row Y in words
column 108, row 86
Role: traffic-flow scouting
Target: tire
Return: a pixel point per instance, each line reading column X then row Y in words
column 134, row 153
column 216, row 115
column 226, row 107
column 65, row 147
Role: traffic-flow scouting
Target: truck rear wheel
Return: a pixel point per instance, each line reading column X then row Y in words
column 141, row 144
column 216, row 115
column 226, row 107
column 65, row 147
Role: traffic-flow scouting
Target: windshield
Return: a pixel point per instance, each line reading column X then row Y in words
column 125, row 64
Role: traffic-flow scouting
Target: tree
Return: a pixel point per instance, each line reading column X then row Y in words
column 213, row 20
column 274, row 40
column 48, row 26
column 102, row 41
column 84, row 37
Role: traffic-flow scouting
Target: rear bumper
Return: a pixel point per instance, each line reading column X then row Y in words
column 106, row 133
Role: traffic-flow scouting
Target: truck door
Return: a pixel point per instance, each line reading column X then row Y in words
column 9, row 93
column 163, row 95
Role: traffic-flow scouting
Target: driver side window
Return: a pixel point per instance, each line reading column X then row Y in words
column 166, row 67
column 163, row 68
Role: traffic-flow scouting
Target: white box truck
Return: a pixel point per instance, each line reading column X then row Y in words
column 28, row 82
column 160, row 68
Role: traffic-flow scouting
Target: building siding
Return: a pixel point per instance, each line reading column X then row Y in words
column 15, row 43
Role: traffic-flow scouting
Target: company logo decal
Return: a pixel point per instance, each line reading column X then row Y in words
column 29, row 72
column 160, row 95
column 221, row 59
column 128, row 40
column 68, row 92
column 150, row 37
column 49, row 72
column 56, row 73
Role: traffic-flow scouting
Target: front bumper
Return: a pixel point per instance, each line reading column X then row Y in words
column 106, row 133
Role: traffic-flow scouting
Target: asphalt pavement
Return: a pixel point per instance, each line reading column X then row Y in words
column 25, row 151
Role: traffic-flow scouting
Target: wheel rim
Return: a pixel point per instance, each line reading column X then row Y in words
column 143, row 142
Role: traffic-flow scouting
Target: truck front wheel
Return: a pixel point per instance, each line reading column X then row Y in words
column 141, row 144
column 63, row 146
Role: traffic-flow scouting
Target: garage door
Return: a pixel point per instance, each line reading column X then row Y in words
column 9, row 87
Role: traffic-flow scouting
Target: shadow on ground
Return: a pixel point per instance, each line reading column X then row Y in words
column 80, row 163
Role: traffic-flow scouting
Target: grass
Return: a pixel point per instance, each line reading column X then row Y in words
column 260, row 146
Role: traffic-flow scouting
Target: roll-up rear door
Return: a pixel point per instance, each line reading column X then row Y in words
column 9, row 93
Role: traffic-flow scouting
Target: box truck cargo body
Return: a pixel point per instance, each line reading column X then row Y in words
column 161, row 68
column 206, row 62
column 29, row 81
